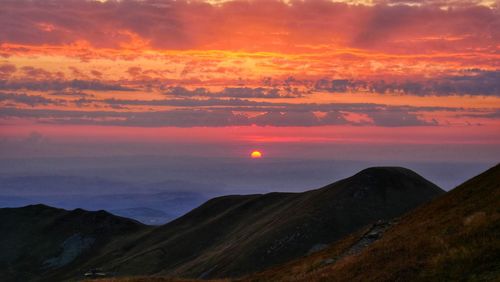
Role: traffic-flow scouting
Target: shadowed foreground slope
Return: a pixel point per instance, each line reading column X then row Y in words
column 453, row 238
column 235, row 235
column 225, row 237
column 38, row 242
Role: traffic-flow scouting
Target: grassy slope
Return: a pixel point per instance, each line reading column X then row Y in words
column 453, row 238
column 234, row 235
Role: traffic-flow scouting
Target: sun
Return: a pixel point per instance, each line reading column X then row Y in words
column 256, row 155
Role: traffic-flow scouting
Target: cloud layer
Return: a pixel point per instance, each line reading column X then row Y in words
column 253, row 25
column 276, row 63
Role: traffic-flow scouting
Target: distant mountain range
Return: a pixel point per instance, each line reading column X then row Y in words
column 226, row 236
column 169, row 199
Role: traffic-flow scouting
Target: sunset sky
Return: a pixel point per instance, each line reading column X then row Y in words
column 320, row 79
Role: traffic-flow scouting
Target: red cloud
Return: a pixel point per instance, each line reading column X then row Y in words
column 252, row 25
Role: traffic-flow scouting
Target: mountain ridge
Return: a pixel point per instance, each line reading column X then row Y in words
column 233, row 235
column 451, row 238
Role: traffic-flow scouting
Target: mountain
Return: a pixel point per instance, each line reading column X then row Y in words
column 169, row 204
column 453, row 238
column 173, row 198
column 37, row 242
column 227, row 236
column 234, row 235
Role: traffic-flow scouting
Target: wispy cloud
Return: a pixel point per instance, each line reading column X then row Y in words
column 469, row 82
column 59, row 85
column 234, row 112
column 235, row 92
column 30, row 100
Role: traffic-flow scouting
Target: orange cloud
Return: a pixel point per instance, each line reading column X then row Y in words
column 253, row 26
column 267, row 63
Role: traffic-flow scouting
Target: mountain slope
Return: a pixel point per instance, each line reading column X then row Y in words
column 234, row 235
column 225, row 237
column 453, row 238
column 38, row 242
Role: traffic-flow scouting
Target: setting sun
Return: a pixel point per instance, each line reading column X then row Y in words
column 256, row 155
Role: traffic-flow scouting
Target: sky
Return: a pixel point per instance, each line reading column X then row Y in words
column 377, row 81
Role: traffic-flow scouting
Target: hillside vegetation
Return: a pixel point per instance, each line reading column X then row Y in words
column 453, row 238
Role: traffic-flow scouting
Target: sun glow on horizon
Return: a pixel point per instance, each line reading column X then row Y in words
column 256, row 155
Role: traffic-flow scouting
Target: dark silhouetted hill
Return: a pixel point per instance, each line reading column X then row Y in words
column 227, row 236
column 234, row 235
column 453, row 238
column 38, row 242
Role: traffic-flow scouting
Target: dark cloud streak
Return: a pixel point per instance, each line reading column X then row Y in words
column 234, row 92
column 60, row 85
column 304, row 115
column 470, row 82
column 30, row 100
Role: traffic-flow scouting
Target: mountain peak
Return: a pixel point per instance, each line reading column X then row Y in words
column 390, row 172
column 387, row 182
column 386, row 169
